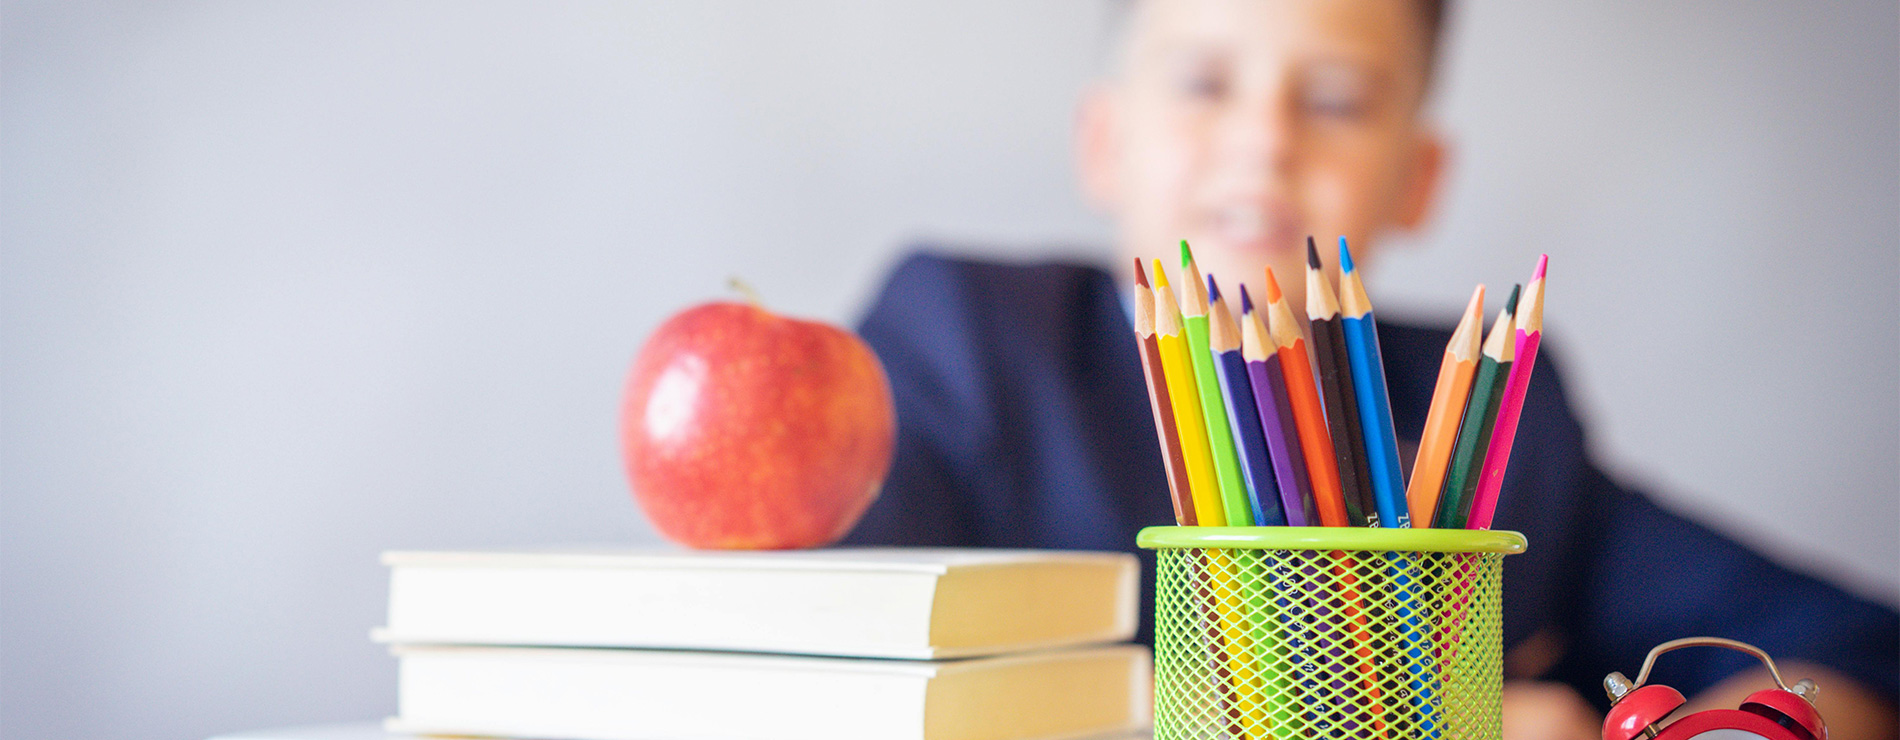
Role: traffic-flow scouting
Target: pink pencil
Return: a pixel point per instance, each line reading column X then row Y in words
column 1530, row 329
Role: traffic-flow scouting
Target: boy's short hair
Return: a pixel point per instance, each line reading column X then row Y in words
column 1431, row 15
column 1432, row 12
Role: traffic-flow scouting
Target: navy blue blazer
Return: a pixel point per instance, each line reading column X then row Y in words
column 1023, row 421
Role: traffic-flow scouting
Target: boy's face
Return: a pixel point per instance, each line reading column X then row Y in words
column 1242, row 126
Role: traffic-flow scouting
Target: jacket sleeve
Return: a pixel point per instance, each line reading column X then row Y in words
column 1627, row 574
column 1657, row 576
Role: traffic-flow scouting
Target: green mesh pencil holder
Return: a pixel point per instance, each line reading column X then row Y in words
column 1328, row 632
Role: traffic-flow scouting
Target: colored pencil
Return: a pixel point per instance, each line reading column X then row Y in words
column 1276, row 416
column 1178, row 369
column 1223, row 339
column 1245, row 651
column 1180, row 490
column 1335, row 383
column 1308, row 414
column 1530, row 332
column 1220, row 440
column 1448, row 407
column 1361, row 329
column 1481, row 414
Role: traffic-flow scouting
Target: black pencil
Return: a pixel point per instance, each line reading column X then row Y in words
column 1335, row 382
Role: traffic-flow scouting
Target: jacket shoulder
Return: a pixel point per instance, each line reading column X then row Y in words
column 931, row 300
column 928, row 278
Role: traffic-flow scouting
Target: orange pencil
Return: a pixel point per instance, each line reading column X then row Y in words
column 1448, row 406
column 1309, row 415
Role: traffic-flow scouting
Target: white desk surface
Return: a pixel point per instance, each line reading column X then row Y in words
column 353, row 731
column 374, row 731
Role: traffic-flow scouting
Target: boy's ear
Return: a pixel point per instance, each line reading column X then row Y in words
column 1098, row 147
column 1427, row 176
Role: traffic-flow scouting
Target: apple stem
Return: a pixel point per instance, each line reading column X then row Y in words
column 745, row 289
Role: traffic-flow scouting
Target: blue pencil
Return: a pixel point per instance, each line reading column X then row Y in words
column 1223, row 340
column 1361, row 331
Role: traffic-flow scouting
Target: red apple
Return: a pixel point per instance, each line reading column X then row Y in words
column 748, row 430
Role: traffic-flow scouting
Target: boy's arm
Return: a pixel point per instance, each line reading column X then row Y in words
column 1851, row 710
column 1618, row 575
column 1654, row 576
column 1544, row 710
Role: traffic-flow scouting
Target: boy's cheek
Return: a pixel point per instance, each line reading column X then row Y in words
column 1350, row 183
column 1160, row 171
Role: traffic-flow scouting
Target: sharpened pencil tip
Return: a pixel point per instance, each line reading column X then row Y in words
column 1187, row 256
column 1345, row 256
column 1213, row 289
column 1312, row 253
column 1161, row 276
column 1141, row 276
column 1273, row 287
column 1542, row 261
column 1510, row 304
column 1246, row 301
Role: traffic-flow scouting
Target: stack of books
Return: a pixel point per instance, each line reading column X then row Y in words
column 873, row 644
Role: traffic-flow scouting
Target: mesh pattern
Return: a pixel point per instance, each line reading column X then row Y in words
column 1281, row 644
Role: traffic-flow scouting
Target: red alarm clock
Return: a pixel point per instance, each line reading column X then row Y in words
column 1780, row 713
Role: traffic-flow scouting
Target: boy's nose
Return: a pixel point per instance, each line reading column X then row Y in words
column 1260, row 131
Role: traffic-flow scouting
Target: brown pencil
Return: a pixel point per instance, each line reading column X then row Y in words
column 1171, row 457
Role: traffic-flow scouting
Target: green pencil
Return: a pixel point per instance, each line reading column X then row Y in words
column 1481, row 414
column 1233, row 487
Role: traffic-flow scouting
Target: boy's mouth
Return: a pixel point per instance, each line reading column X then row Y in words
column 1254, row 228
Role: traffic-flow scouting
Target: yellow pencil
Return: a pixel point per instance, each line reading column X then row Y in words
column 1185, row 395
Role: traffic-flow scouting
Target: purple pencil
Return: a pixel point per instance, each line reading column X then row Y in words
column 1276, row 417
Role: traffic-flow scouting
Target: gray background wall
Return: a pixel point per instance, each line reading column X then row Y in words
column 283, row 286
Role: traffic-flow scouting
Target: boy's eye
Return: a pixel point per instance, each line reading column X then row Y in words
column 1336, row 104
column 1203, row 80
column 1337, row 91
column 1208, row 85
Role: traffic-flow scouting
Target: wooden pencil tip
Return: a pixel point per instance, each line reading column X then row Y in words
column 1543, row 260
column 1510, row 304
column 1477, row 300
column 1246, row 301
column 1213, row 289
column 1141, row 276
column 1187, row 256
column 1273, row 287
column 1312, row 254
column 1161, row 276
column 1345, row 256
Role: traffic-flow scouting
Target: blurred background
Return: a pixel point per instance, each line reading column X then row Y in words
column 286, row 285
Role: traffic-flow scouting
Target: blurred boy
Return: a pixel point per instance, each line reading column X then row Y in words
column 1243, row 126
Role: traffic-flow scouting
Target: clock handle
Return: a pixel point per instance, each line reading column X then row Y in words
column 1736, row 645
column 1636, row 708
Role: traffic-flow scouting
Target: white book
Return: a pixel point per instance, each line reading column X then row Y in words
column 884, row 603
column 619, row 694
column 375, row 731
